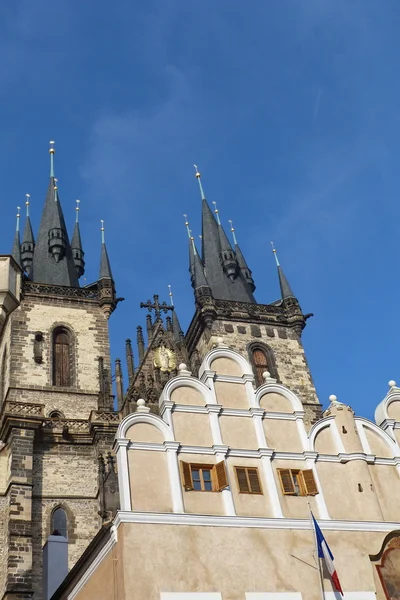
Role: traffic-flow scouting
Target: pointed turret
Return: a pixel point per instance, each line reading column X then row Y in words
column 227, row 255
column 52, row 259
column 76, row 245
column 16, row 249
column 106, row 281
column 176, row 327
column 28, row 241
column 244, row 269
column 196, row 269
column 286, row 291
column 219, row 259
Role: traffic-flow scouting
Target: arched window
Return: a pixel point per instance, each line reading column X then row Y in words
column 262, row 359
column 62, row 371
column 59, row 522
column 3, row 376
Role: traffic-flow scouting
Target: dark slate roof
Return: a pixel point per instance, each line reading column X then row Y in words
column 286, row 290
column 76, row 241
column 105, row 267
column 45, row 269
column 199, row 276
column 221, row 286
column 240, row 258
column 176, row 327
column 223, row 239
column 16, row 249
column 28, row 232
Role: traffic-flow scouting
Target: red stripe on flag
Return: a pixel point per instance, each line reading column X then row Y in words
column 336, row 582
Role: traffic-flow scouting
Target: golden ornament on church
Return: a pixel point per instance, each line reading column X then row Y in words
column 164, row 359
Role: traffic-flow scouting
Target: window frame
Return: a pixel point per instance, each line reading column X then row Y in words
column 219, row 477
column 61, row 328
column 250, row 491
column 270, row 361
column 301, row 482
column 52, row 524
column 200, row 468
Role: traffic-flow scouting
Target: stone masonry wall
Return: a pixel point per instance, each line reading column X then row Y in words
column 288, row 350
column 64, row 475
column 88, row 325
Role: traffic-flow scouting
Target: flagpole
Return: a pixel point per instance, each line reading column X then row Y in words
column 317, row 559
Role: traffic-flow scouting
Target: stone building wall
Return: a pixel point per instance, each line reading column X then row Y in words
column 286, row 345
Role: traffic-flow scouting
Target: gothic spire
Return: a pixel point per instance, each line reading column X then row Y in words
column 105, row 267
column 76, row 245
column 245, row 270
column 16, row 249
column 52, row 260
column 28, row 241
column 196, row 269
column 176, row 327
column 219, row 260
column 286, row 291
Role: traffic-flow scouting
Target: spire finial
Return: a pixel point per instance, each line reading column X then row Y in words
column 18, row 216
column 27, row 203
column 216, row 213
column 198, row 176
column 233, row 232
column 275, row 254
column 170, row 295
column 77, row 210
column 52, row 153
column 102, row 231
column 189, row 232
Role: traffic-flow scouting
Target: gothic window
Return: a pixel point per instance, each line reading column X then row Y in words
column 3, row 376
column 62, row 363
column 262, row 359
column 56, row 414
column 59, row 522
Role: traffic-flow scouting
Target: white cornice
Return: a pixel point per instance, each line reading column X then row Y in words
column 250, row 522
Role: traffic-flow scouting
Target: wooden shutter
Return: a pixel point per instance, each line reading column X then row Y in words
column 261, row 365
column 220, row 476
column 62, row 366
column 254, row 481
column 186, row 476
column 310, row 486
column 242, row 480
column 286, row 481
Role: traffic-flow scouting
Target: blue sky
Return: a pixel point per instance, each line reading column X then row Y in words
column 289, row 107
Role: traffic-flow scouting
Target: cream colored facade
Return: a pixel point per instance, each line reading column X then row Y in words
column 167, row 543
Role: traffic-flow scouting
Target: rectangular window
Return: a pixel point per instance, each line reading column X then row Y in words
column 204, row 478
column 248, row 480
column 297, row 483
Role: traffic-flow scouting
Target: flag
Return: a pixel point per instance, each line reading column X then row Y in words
column 325, row 553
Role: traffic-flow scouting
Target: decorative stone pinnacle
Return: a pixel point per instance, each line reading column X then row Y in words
column 184, row 371
column 392, row 383
column 141, row 406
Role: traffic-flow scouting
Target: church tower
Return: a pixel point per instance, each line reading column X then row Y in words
column 57, row 417
column 269, row 335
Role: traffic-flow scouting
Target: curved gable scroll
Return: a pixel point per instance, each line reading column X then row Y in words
column 186, row 382
column 382, row 410
column 277, row 388
column 225, row 352
column 147, row 418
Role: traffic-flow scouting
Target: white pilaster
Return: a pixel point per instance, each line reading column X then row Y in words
column 227, row 495
column 213, row 415
column 121, row 447
column 319, row 498
column 174, row 477
column 270, row 486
